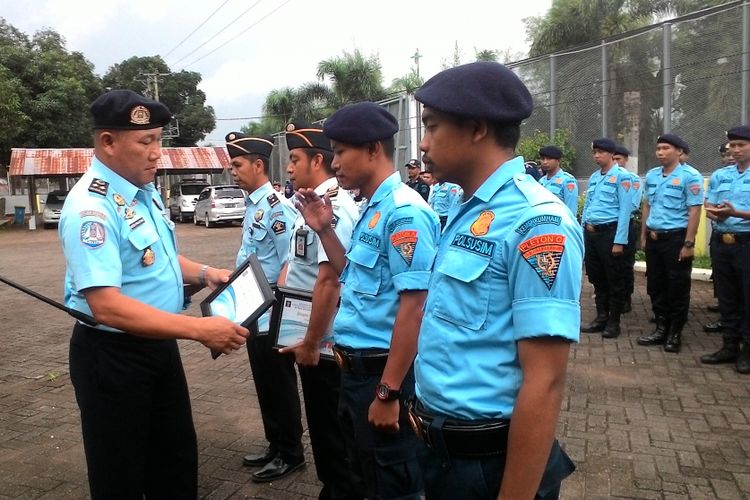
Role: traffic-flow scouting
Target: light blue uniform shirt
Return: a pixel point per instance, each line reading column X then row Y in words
column 670, row 196
column 444, row 196
column 266, row 232
column 636, row 191
column 728, row 184
column 115, row 234
column 392, row 250
column 564, row 186
column 508, row 268
column 608, row 199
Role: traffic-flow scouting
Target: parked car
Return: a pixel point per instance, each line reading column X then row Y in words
column 219, row 204
column 52, row 207
column 182, row 199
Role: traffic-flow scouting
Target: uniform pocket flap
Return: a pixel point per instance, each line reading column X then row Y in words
column 363, row 255
column 142, row 238
column 464, row 266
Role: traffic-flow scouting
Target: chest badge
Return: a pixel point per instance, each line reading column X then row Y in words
column 119, row 200
column 374, row 220
column 481, row 226
column 149, row 257
column 259, row 215
column 129, row 213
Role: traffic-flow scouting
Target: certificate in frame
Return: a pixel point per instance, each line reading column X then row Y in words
column 290, row 317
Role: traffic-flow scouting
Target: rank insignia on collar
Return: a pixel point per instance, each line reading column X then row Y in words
column 404, row 242
column 543, row 253
column 158, row 205
column 149, row 257
column 374, row 220
column 119, row 200
column 134, row 202
column 481, row 226
column 258, row 215
column 129, row 213
column 332, row 192
column 334, row 221
column 99, row 186
column 272, row 200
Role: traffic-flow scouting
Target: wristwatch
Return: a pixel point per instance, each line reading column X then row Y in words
column 384, row 392
column 689, row 244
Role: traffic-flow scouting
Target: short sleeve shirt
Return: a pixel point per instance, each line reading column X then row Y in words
column 729, row 184
column 564, row 186
column 669, row 196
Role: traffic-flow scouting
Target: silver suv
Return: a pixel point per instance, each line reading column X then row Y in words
column 182, row 199
column 219, row 204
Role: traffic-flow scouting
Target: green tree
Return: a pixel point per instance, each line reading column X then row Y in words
column 408, row 83
column 529, row 147
column 455, row 60
column 486, row 55
column 353, row 78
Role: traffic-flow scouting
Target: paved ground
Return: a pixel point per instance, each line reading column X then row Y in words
column 638, row 422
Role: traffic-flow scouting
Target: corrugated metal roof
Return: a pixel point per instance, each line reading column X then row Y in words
column 50, row 162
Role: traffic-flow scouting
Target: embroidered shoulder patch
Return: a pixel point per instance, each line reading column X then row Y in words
column 571, row 185
column 538, row 221
column 99, row 186
column 273, row 200
column 279, row 227
column 404, row 242
column 543, row 254
column 93, row 234
column 636, row 185
column 695, row 188
column 92, row 213
column 625, row 185
column 399, row 222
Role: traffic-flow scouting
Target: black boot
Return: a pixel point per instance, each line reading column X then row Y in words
column 612, row 330
column 598, row 324
column 728, row 353
column 674, row 339
column 743, row 360
column 658, row 336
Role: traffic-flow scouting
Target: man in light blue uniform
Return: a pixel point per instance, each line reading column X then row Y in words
column 636, row 191
column 384, row 272
column 671, row 213
column 502, row 307
column 123, row 269
column 443, row 197
column 606, row 221
column 266, row 232
column 558, row 181
column 728, row 203
column 308, row 269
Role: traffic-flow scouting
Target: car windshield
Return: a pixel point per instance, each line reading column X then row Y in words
column 192, row 189
column 228, row 193
column 56, row 198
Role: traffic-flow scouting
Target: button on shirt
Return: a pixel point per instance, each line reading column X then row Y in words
column 266, row 232
column 608, row 199
column 729, row 184
column 564, row 186
column 115, row 234
column 444, row 196
column 391, row 251
column 670, row 196
column 508, row 268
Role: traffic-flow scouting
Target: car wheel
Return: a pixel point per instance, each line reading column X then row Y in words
column 208, row 221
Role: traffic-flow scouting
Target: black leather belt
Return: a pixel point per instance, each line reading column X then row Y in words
column 462, row 438
column 600, row 228
column 731, row 238
column 666, row 234
column 360, row 362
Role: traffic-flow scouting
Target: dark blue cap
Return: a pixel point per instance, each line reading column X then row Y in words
column 741, row 133
column 675, row 140
column 413, row 163
column 485, row 90
column 126, row 110
column 551, row 152
column 239, row 144
column 604, row 144
column 360, row 123
column 622, row 150
column 303, row 135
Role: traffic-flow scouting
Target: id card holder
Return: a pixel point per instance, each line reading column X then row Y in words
column 300, row 243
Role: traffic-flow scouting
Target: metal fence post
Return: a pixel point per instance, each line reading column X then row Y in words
column 605, row 90
column 552, row 97
column 666, row 68
column 745, row 62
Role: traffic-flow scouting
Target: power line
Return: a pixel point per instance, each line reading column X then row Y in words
column 216, row 34
column 196, row 29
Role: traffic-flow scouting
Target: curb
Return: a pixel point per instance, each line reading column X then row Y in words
column 697, row 274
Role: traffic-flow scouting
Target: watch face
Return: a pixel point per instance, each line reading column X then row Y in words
column 382, row 391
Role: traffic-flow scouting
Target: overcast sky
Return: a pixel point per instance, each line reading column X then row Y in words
column 274, row 43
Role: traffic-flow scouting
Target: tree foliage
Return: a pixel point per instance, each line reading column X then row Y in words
column 529, row 147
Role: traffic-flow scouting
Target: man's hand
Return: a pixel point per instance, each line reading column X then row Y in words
column 305, row 353
column 383, row 415
column 221, row 334
column 722, row 211
column 216, row 277
column 686, row 253
column 617, row 250
column 317, row 211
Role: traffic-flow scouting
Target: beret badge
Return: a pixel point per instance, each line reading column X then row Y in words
column 140, row 115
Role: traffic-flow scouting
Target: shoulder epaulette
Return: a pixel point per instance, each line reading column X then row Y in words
column 99, row 186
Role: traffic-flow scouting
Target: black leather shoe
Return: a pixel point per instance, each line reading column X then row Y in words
column 673, row 343
column 657, row 337
column 743, row 361
column 596, row 326
column 723, row 355
column 259, row 459
column 714, row 308
column 276, row 469
column 712, row 327
column 611, row 331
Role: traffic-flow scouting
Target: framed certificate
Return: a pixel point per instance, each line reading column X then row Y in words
column 290, row 317
column 242, row 299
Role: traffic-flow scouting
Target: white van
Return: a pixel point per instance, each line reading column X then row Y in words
column 182, row 199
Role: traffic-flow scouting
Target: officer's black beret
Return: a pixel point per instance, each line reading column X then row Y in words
column 486, row 90
column 551, row 152
column 360, row 123
column 674, row 140
column 741, row 133
column 622, row 150
column 239, row 144
column 303, row 135
column 126, row 110
column 604, row 144
column 413, row 163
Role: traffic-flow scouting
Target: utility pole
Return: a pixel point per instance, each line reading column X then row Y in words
column 417, row 56
column 153, row 79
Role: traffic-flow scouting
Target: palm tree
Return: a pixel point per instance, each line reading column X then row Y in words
column 353, row 77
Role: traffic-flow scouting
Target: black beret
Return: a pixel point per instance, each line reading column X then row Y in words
column 304, row 135
column 741, row 133
column 360, row 123
column 622, row 150
column 674, row 140
column 604, row 144
column 126, row 110
column 486, row 90
column 551, row 152
column 239, row 144
column 413, row 163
